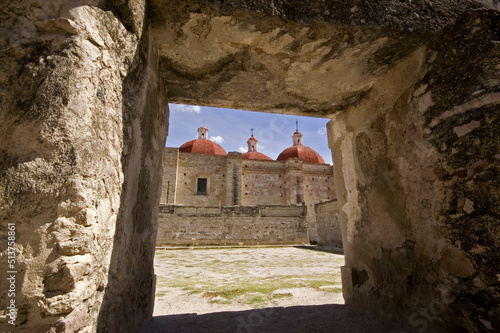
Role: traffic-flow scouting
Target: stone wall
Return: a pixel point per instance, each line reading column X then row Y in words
column 417, row 176
column 82, row 119
column 318, row 185
column 495, row 4
column 169, row 175
column 328, row 223
column 263, row 180
column 305, row 57
column 193, row 166
column 414, row 136
column 234, row 181
column 236, row 225
column 129, row 296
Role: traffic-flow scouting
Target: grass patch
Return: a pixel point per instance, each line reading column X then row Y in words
column 256, row 299
column 279, row 296
column 316, row 284
column 219, row 301
column 243, row 286
column 335, row 290
column 227, row 294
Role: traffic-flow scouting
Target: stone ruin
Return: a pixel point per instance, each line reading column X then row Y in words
column 413, row 91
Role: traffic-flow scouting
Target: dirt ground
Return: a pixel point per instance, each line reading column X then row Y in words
column 273, row 289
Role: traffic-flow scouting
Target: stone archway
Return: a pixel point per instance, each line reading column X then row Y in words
column 414, row 106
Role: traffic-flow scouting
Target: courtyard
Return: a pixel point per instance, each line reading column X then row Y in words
column 258, row 289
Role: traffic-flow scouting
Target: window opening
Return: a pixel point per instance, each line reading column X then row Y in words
column 202, row 186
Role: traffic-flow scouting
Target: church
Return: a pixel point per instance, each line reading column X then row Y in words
column 209, row 196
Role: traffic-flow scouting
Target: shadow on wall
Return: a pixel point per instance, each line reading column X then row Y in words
column 328, row 318
column 129, row 296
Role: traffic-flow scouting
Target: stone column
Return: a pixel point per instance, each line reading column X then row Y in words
column 294, row 180
column 233, row 179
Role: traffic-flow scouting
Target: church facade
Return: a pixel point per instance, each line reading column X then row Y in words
column 201, row 183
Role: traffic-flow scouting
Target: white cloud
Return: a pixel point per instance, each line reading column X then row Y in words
column 242, row 149
column 188, row 108
column 217, row 139
column 321, row 131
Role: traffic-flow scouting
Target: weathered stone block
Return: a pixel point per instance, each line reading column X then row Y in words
column 456, row 262
column 347, row 285
column 69, row 272
column 233, row 225
column 282, row 211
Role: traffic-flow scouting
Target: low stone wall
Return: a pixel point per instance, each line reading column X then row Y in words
column 328, row 223
column 239, row 225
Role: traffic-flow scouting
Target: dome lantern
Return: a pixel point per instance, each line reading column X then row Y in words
column 252, row 153
column 298, row 150
column 202, row 132
column 252, row 143
column 297, row 138
column 202, row 145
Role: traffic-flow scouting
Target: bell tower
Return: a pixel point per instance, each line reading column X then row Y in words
column 297, row 139
column 252, row 143
column 202, row 132
column 297, row 136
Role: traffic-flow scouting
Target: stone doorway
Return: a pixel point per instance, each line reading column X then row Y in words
column 263, row 182
column 412, row 89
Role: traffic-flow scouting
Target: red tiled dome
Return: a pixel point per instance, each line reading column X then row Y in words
column 255, row 155
column 202, row 146
column 306, row 154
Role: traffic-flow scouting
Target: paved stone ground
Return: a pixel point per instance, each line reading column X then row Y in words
column 246, row 290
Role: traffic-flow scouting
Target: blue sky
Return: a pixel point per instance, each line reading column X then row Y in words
column 231, row 129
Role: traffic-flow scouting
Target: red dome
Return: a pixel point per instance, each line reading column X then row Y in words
column 304, row 153
column 255, row 155
column 202, row 146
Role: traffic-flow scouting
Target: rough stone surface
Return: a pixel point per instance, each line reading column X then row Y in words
column 495, row 4
column 408, row 15
column 129, row 296
column 236, row 225
column 232, row 54
column 328, row 223
column 418, row 184
column 70, row 124
column 414, row 101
